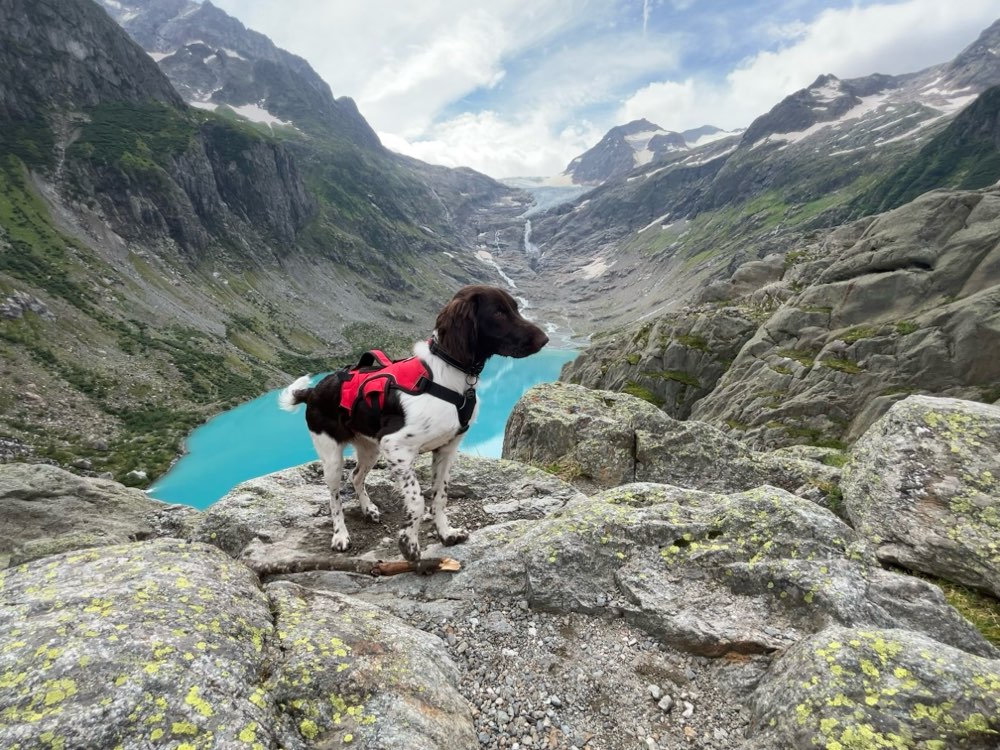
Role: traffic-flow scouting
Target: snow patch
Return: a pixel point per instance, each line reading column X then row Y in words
column 694, row 160
column 559, row 180
column 829, row 92
column 654, row 222
column 639, row 143
column 867, row 104
column 157, row 56
column 256, row 113
column 211, row 106
column 598, row 267
column 233, row 53
column 711, row 137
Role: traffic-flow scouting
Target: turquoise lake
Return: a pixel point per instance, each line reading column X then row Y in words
column 257, row 437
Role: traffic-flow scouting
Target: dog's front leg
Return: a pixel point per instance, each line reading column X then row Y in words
column 444, row 457
column 401, row 458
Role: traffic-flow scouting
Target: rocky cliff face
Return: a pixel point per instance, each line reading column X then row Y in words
column 692, row 607
column 213, row 59
column 67, row 55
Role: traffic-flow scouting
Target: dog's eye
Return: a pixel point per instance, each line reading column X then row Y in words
column 500, row 314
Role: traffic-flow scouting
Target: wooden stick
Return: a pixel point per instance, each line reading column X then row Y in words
column 356, row 565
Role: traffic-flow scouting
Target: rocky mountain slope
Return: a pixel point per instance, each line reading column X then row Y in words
column 635, row 144
column 158, row 262
column 668, row 600
column 648, row 241
column 814, row 346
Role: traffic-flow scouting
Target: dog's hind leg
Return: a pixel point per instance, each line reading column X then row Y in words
column 401, row 457
column 331, row 455
column 441, row 463
column 367, row 456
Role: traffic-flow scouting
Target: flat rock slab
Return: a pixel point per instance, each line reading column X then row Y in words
column 710, row 574
column 286, row 515
column 924, row 485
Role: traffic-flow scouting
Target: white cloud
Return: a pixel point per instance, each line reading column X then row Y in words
column 497, row 146
column 516, row 87
column 889, row 38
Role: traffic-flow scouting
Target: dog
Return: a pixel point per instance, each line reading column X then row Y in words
column 478, row 323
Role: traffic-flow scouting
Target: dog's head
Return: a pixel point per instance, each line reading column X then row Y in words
column 481, row 321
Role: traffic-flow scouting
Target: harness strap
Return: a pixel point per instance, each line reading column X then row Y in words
column 464, row 403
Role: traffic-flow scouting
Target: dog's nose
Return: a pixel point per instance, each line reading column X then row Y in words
column 543, row 341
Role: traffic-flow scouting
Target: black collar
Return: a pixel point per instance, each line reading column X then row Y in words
column 474, row 369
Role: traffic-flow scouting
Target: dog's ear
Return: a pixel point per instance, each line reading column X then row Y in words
column 457, row 329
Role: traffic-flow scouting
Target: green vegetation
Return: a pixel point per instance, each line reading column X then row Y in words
column 363, row 336
column 841, row 365
column 906, row 327
column 678, row 376
column 982, row 610
column 692, row 341
column 634, row 389
column 837, row 460
column 31, row 141
column 857, row 333
column 38, row 254
column 633, row 359
column 965, row 155
column 810, row 435
column 134, row 137
column 805, row 357
column 794, row 257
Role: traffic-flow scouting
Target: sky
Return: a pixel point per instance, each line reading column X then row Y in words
column 521, row 87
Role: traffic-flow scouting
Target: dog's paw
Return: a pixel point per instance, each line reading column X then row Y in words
column 371, row 513
column 409, row 547
column 453, row 537
column 340, row 542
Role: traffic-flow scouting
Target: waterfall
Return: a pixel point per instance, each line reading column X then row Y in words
column 530, row 248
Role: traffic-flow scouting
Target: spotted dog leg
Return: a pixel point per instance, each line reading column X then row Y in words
column 367, row 456
column 331, row 455
column 441, row 463
column 401, row 458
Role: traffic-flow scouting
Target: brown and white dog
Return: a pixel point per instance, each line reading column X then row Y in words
column 480, row 321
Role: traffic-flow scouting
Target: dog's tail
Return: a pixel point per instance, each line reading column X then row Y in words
column 295, row 394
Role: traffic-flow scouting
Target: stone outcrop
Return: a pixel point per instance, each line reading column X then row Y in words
column 924, row 485
column 166, row 642
column 605, row 439
column 47, row 510
column 285, row 516
column 875, row 688
column 671, row 361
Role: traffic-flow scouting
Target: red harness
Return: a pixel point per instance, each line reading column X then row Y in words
column 375, row 374
column 369, row 383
